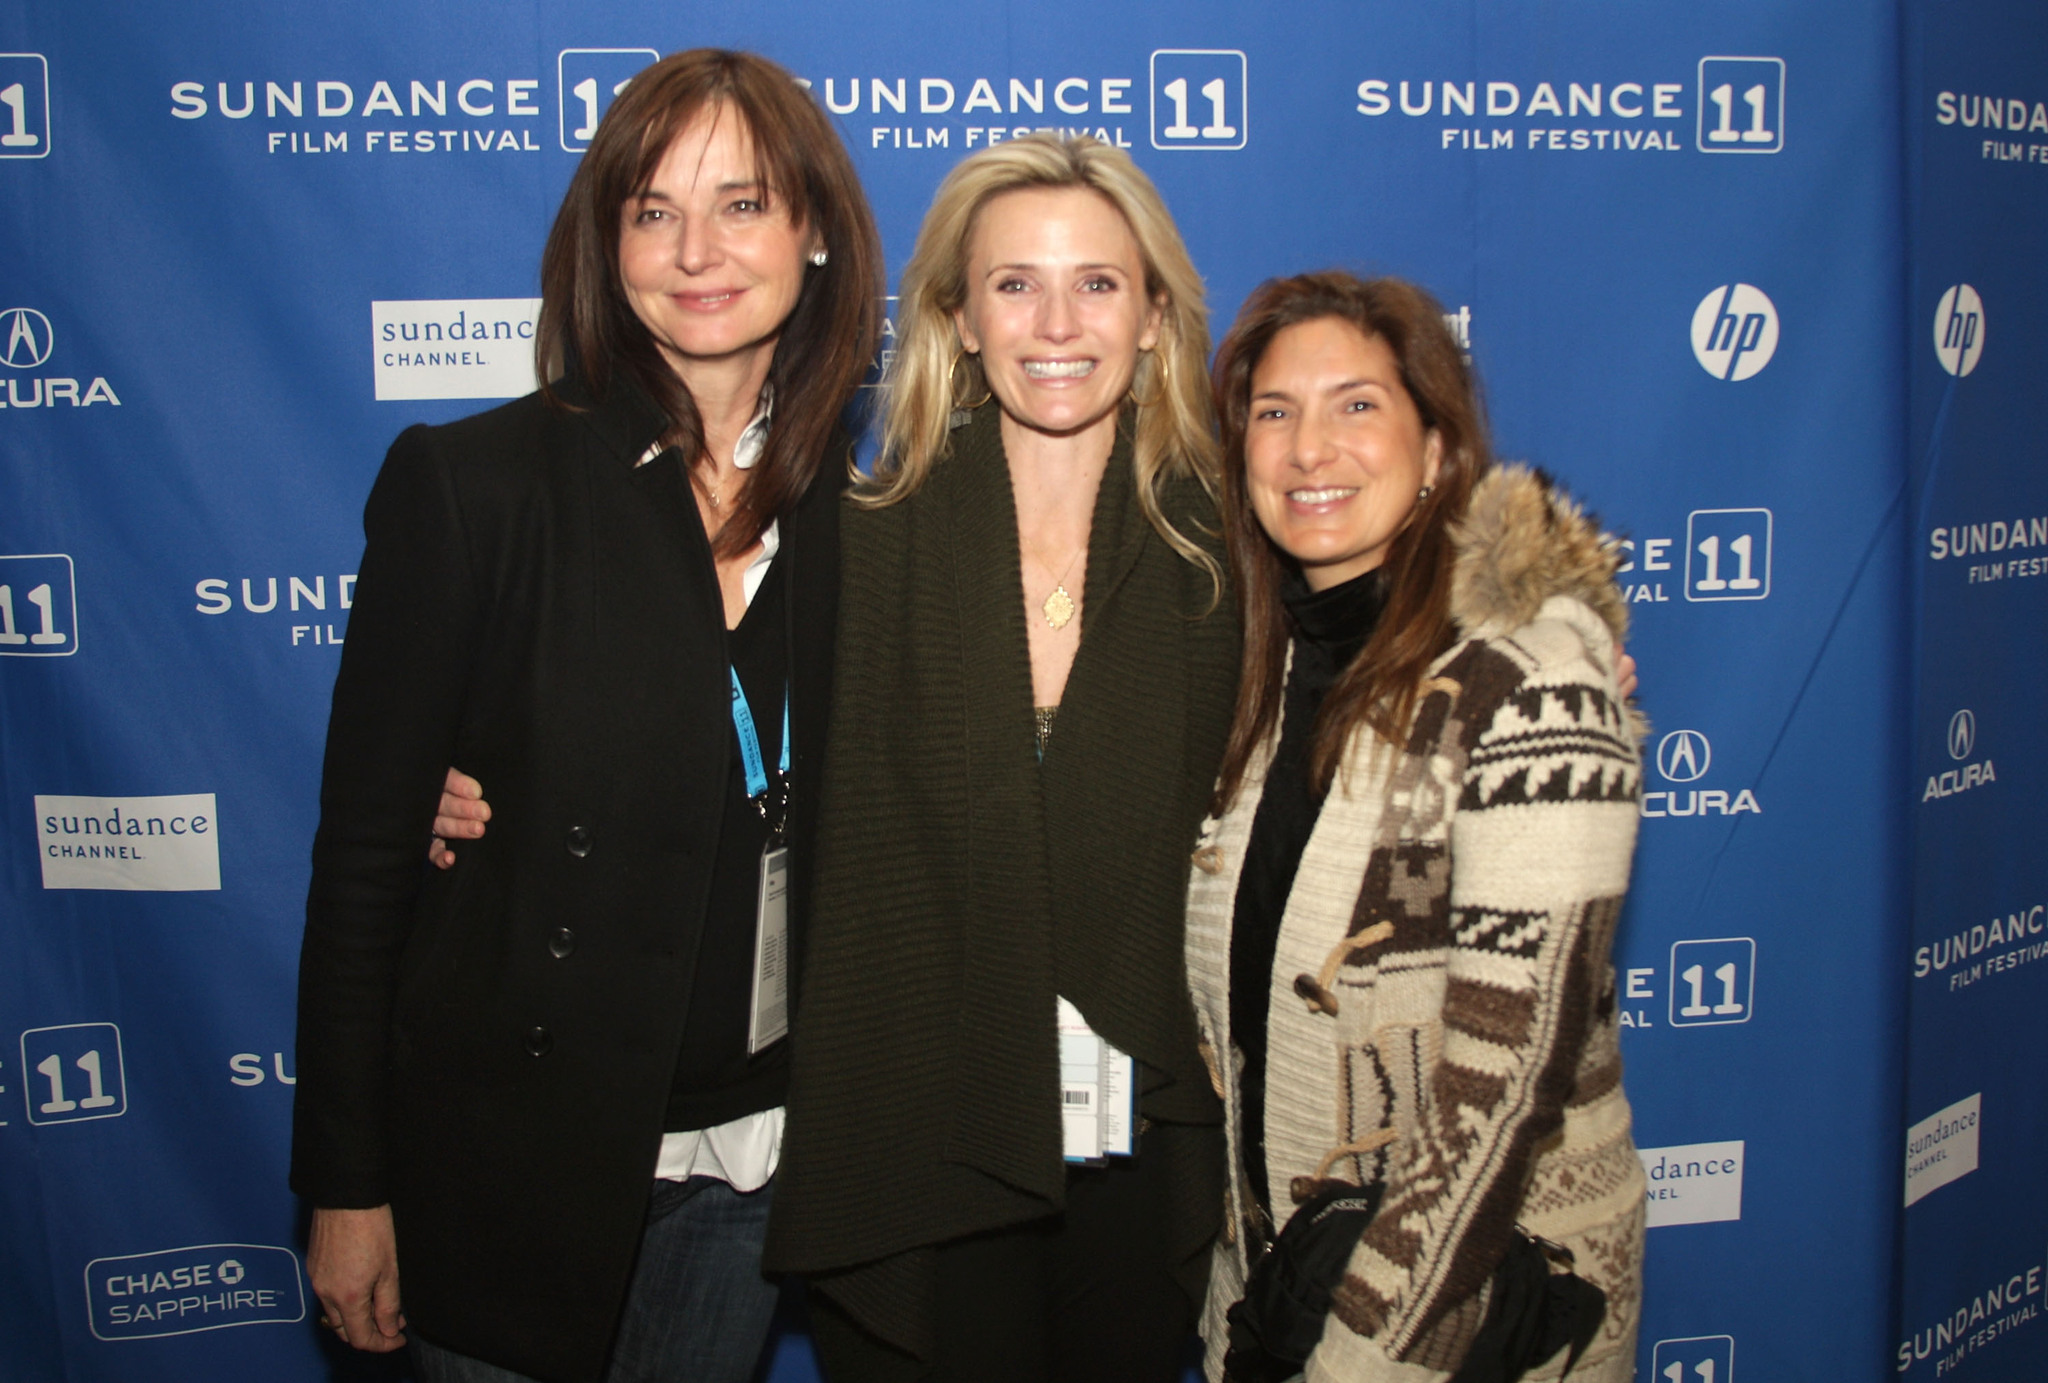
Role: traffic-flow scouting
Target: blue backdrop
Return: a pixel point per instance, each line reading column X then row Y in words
column 1694, row 251
column 1976, row 1220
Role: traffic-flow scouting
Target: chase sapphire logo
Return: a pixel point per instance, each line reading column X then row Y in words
column 25, row 338
column 1198, row 98
column 1683, row 756
column 1742, row 105
column 24, row 105
column 586, row 81
column 1962, row 734
column 142, row 1296
column 1735, row 331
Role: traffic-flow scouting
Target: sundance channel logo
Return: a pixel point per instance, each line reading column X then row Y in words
column 1942, row 1147
column 1693, row 1183
column 454, row 348
column 135, row 844
column 143, row 1296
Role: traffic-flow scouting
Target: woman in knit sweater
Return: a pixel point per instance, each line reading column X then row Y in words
column 1032, row 693
column 1401, row 911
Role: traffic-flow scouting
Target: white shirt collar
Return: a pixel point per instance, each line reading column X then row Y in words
column 747, row 451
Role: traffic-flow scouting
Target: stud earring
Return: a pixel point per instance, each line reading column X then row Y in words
column 818, row 257
column 1423, row 493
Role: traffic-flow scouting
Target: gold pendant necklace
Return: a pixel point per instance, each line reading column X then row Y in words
column 1058, row 607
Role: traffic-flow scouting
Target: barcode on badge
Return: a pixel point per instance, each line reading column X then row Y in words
column 1076, row 1096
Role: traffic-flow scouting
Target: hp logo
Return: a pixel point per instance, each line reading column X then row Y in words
column 1683, row 756
column 1959, row 330
column 27, row 338
column 1734, row 331
column 1962, row 735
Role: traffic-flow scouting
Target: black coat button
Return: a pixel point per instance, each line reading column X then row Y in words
column 561, row 943
column 579, row 841
column 539, row 1040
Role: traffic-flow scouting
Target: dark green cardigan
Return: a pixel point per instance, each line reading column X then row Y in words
column 962, row 885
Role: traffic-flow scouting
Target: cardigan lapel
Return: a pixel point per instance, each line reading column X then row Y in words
column 1007, row 985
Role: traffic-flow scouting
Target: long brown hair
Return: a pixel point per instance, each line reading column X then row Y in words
column 1379, row 688
column 587, row 328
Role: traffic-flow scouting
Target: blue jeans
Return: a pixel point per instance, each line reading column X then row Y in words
column 698, row 1309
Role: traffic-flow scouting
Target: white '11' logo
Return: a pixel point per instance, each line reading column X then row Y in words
column 61, row 1055
column 40, row 598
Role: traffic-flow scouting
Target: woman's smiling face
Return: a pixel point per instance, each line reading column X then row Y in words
column 1056, row 307
column 1336, row 453
column 710, row 259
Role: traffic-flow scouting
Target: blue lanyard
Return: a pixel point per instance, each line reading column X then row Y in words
column 750, row 740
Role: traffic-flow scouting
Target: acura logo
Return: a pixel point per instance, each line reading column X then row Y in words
column 1962, row 735
column 26, row 336
column 1683, row 756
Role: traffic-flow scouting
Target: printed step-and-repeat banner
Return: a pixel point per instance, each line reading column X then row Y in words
column 245, row 247
column 1975, row 1282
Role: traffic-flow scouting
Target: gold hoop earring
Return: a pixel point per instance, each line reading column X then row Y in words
column 1165, row 381
column 953, row 384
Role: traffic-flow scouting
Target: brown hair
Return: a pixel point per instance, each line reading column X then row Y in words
column 1380, row 687
column 588, row 328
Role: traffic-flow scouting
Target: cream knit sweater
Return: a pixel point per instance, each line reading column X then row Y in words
column 1442, row 995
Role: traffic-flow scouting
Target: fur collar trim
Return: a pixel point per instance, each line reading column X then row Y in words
column 1523, row 541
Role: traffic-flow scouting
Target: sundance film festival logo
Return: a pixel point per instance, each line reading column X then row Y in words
column 142, row 1296
column 1734, row 331
column 1959, row 330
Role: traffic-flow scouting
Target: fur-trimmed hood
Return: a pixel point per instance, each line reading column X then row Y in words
column 1523, row 541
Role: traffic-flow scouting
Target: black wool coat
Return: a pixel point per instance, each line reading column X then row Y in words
column 490, row 1049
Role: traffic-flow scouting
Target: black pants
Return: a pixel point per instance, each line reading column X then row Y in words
column 1087, row 1296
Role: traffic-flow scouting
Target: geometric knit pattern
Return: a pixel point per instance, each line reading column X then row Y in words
column 1443, row 1012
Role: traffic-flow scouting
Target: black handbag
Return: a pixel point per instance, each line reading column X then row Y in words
column 1533, row 1311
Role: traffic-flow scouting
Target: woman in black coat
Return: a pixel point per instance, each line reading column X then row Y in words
column 613, row 601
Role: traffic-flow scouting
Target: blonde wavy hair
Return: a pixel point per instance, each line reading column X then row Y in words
column 1173, row 434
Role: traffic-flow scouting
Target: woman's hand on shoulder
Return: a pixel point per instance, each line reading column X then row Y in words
column 1624, row 674
column 461, row 816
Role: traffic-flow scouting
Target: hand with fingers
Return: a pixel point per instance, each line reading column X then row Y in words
column 352, row 1261
column 461, row 816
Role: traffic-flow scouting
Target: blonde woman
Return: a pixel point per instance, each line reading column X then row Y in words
column 1036, row 659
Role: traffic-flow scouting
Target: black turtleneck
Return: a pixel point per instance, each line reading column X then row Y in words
column 1329, row 628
